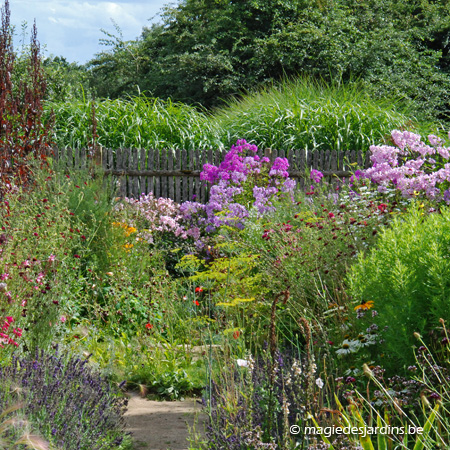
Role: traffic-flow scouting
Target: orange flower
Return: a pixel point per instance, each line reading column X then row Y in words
column 236, row 334
column 366, row 305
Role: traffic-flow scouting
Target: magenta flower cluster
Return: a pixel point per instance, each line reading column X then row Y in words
column 241, row 182
column 411, row 166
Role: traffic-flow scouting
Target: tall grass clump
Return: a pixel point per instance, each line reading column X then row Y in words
column 311, row 115
column 139, row 122
column 294, row 114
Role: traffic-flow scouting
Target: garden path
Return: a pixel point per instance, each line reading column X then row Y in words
column 162, row 425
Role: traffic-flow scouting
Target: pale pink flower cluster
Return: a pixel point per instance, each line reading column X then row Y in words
column 156, row 215
column 411, row 166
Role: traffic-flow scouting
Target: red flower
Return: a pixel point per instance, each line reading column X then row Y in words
column 236, row 334
column 331, row 215
column 76, row 256
column 149, row 326
column 195, row 302
column 198, row 289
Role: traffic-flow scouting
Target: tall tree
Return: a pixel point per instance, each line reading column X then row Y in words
column 205, row 50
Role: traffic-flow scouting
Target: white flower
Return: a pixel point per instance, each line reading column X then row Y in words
column 319, row 383
column 242, row 362
column 296, row 368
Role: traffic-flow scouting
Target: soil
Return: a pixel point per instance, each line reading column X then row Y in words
column 163, row 425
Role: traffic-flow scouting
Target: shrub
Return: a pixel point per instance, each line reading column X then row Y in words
column 68, row 402
column 39, row 261
column 307, row 246
column 241, row 182
column 406, row 277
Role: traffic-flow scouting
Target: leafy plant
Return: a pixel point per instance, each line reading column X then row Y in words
column 405, row 276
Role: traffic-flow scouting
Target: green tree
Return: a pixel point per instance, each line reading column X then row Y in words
column 117, row 72
column 65, row 80
column 206, row 50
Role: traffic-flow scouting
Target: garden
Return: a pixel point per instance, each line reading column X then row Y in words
column 312, row 318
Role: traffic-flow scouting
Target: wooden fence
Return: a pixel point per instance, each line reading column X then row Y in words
column 176, row 173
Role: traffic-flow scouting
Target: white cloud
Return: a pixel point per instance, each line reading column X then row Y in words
column 71, row 28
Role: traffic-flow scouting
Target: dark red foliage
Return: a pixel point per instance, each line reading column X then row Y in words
column 23, row 135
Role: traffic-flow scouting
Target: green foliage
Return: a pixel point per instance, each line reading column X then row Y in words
column 65, row 81
column 205, row 51
column 90, row 201
column 304, row 114
column 407, row 277
column 147, row 362
column 38, row 258
column 295, row 114
column 307, row 248
column 139, row 122
column 352, row 417
column 116, row 71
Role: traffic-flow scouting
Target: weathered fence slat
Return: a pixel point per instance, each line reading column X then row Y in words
column 185, row 180
column 196, row 180
column 169, row 181
column 142, row 179
column 178, row 179
column 191, row 180
column 157, row 179
column 163, row 165
column 150, row 166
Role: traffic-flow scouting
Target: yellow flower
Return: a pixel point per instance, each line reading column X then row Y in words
column 366, row 305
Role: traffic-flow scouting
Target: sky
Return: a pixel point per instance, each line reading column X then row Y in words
column 72, row 28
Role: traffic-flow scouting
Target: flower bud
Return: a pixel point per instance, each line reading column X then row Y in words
column 367, row 370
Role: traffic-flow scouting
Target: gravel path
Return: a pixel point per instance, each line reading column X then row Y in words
column 162, row 425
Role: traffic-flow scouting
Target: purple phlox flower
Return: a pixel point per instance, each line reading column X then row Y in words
column 316, row 175
column 279, row 168
column 356, row 176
